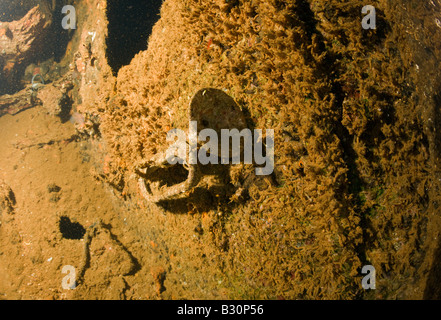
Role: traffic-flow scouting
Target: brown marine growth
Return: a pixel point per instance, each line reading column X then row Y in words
column 357, row 147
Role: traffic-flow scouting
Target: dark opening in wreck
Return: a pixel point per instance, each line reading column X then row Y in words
column 130, row 24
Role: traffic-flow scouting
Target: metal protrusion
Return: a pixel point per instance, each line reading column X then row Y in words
column 159, row 180
column 35, row 85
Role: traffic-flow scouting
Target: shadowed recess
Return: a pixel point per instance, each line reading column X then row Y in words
column 130, row 24
column 71, row 230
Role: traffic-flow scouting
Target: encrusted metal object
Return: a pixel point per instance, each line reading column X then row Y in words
column 35, row 84
column 161, row 181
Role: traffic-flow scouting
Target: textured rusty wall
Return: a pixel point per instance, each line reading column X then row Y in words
column 355, row 114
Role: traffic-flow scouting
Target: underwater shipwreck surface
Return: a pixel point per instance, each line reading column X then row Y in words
column 84, row 117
